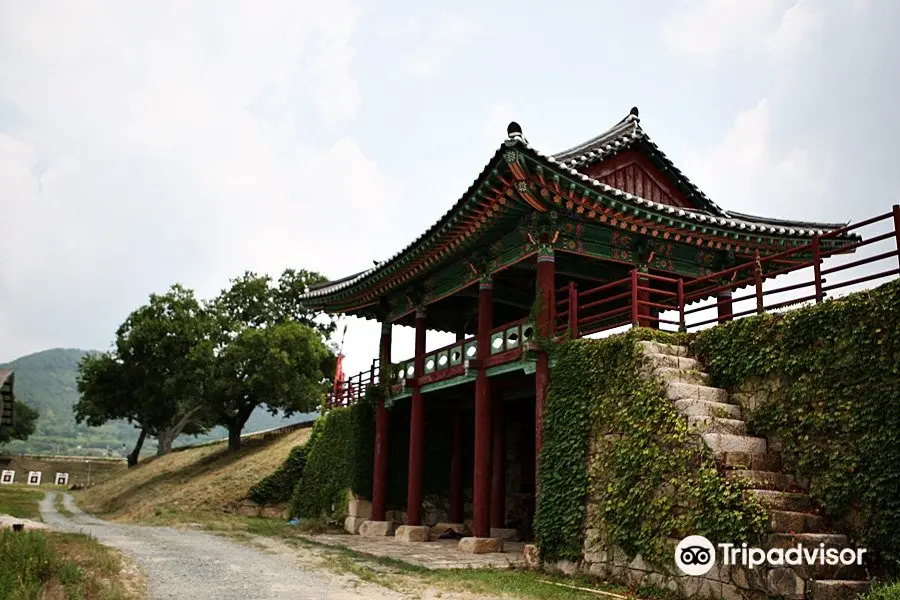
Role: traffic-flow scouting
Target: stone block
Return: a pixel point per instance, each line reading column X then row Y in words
column 600, row 570
column 358, row 507
column 352, row 524
column 782, row 581
column 566, row 567
column 505, row 534
column 376, row 528
column 836, row 589
column 412, row 533
column 532, row 556
column 599, row 556
column 476, row 545
column 730, row 592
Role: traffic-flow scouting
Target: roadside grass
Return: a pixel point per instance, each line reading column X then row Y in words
column 20, row 501
column 397, row 574
column 61, row 507
column 39, row 564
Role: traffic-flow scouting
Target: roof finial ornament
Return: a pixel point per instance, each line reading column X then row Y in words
column 635, row 113
column 514, row 130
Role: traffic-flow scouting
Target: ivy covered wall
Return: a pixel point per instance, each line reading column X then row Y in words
column 826, row 380
column 618, row 461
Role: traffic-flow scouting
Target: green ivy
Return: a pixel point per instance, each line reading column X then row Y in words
column 613, row 439
column 278, row 486
column 338, row 461
column 838, row 409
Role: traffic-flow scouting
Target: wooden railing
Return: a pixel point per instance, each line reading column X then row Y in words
column 654, row 300
column 651, row 300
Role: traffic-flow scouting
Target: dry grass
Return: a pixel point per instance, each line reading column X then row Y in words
column 201, row 479
column 20, row 501
column 47, row 565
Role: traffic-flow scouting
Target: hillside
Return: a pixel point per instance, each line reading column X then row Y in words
column 46, row 381
column 202, row 479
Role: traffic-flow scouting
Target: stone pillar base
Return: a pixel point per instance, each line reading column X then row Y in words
column 412, row 533
column 441, row 528
column 352, row 524
column 532, row 557
column 476, row 545
column 505, row 534
column 376, row 528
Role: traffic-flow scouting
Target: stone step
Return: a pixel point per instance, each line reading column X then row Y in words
column 776, row 500
column 675, row 362
column 809, row 540
column 835, row 589
column 764, row 480
column 660, row 348
column 704, row 424
column 788, row 521
column 671, row 374
column 706, row 408
column 676, row 390
column 724, row 442
column 770, row 461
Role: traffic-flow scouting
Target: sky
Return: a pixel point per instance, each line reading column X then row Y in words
column 148, row 143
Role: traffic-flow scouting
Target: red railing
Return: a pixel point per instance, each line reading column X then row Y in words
column 652, row 300
column 643, row 298
column 352, row 389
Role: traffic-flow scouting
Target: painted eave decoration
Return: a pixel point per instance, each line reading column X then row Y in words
column 520, row 174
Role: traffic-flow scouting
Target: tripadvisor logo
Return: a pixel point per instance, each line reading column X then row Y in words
column 696, row 555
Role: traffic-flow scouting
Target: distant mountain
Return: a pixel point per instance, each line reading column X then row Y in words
column 46, row 381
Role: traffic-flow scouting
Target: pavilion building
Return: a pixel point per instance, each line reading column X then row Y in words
column 502, row 269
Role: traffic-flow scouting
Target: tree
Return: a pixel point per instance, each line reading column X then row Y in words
column 270, row 350
column 156, row 376
column 24, row 423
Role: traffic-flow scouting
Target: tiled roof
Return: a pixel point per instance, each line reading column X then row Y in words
column 624, row 134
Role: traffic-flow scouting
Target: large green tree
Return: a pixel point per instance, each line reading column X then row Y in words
column 156, row 376
column 24, row 422
column 270, row 350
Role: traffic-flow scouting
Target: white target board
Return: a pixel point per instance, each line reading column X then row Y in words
column 7, row 477
column 62, row 479
column 34, row 478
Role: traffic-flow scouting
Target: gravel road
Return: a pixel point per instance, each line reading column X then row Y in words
column 194, row 565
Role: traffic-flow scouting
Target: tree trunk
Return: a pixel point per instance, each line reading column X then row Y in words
column 133, row 457
column 236, row 425
column 167, row 437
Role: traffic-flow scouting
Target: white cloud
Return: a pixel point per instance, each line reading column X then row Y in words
column 748, row 172
column 163, row 142
column 708, row 30
column 439, row 42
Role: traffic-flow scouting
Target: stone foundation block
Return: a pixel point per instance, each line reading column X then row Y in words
column 784, row 582
column 476, row 545
column 412, row 533
column 359, row 508
column 505, row 534
column 532, row 556
column 352, row 524
column 376, row 528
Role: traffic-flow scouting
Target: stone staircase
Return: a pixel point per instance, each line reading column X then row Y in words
column 793, row 518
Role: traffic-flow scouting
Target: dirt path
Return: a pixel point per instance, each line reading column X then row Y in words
column 194, row 565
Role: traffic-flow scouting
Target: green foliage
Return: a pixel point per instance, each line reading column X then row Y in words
column 24, row 423
column 339, row 460
column 838, row 408
column 882, row 591
column 613, row 436
column 28, row 562
column 278, row 486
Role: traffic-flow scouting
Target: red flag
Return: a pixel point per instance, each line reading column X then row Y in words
column 339, row 372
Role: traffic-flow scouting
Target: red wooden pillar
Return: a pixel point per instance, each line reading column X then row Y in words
column 379, row 486
column 481, row 523
column 498, row 468
column 416, row 430
column 725, row 306
column 456, row 468
column 643, row 309
column 546, row 321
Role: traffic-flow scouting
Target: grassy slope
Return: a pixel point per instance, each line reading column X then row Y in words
column 203, row 479
column 20, row 501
